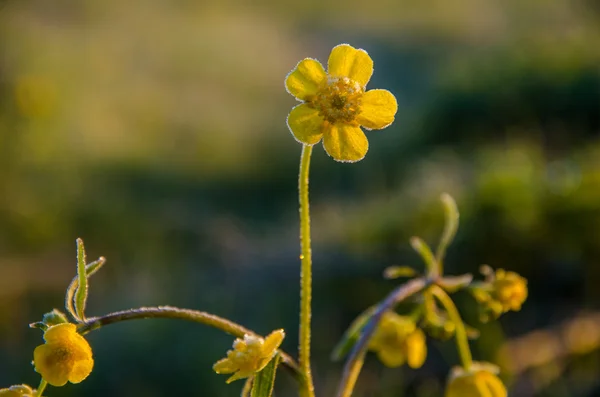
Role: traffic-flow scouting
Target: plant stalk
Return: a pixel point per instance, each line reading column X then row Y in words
column 94, row 323
column 305, row 272
column 462, row 340
column 41, row 388
column 355, row 361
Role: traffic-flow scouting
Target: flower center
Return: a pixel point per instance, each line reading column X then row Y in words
column 339, row 100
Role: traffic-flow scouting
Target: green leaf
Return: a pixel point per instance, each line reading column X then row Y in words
column 90, row 270
column 450, row 227
column 262, row 385
column 426, row 254
column 352, row 334
column 82, row 289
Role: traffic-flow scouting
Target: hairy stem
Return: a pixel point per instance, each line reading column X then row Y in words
column 355, row 360
column 41, row 388
column 170, row 312
column 462, row 340
column 306, row 272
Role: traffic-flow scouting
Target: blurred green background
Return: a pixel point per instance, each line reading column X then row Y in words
column 155, row 130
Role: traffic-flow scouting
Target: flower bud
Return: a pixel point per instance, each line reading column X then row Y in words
column 480, row 381
column 398, row 340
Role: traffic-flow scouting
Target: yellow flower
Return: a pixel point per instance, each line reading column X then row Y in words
column 510, row 289
column 398, row 340
column 249, row 355
column 335, row 103
column 66, row 356
column 17, row 391
column 480, row 381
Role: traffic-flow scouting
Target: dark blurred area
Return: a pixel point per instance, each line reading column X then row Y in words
column 156, row 131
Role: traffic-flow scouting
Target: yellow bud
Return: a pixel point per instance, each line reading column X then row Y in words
column 65, row 357
column 509, row 289
column 480, row 381
column 398, row 340
column 249, row 355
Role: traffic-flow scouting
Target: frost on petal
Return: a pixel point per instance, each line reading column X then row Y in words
column 50, row 365
column 225, row 366
column 304, row 81
column 345, row 143
column 273, row 341
column 60, row 332
column 378, row 109
column 240, row 375
column 81, row 370
column 306, row 124
column 347, row 61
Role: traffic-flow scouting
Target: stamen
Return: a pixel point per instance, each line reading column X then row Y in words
column 339, row 100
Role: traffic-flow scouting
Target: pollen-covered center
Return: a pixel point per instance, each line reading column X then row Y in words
column 338, row 100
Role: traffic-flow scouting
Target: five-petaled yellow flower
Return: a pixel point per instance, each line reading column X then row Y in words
column 249, row 355
column 480, row 381
column 66, row 356
column 17, row 391
column 335, row 104
column 397, row 340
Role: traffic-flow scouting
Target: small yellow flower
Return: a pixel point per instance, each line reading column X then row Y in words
column 66, row 356
column 335, row 103
column 510, row 289
column 398, row 340
column 17, row 391
column 480, row 381
column 249, row 355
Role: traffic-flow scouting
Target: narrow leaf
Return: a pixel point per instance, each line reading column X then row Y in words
column 90, row 270
column 262, row 385
column 450, row 227
column 423, row 249
column 352, row 335
column 82, row 288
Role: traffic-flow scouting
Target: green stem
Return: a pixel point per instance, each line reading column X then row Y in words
column 41, row 388
column 306, row 271
column 356, row 358
column 94, row 323
column 462, row 340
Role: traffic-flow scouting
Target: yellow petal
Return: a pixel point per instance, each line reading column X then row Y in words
column 416, row 349
column 81, row 370
column 60, row 332
column 54, row 370
column 306, row 78
column 345, row 143
column 239, row 375
column 225, row 366
column 273, row 341
column 492, row 384
column 306, row 124
column 347, row 61
column 378, row 109
column 391, row 357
